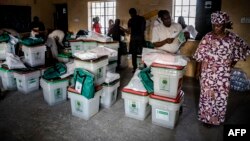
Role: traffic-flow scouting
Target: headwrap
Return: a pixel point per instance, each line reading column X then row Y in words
column 220, row 17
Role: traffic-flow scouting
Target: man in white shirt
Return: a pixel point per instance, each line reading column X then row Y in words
column 158, row 20
column 165, row 35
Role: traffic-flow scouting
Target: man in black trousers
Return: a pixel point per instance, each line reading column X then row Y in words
column 136, row 29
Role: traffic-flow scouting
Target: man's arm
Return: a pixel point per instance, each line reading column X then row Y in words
column 128, row 31
column 122, row 32
column 161, row 43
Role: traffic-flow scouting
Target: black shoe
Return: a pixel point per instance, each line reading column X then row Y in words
column 207, row 125
column 181, row 110
column 2, row 94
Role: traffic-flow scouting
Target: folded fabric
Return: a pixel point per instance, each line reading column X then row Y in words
column 146, row 80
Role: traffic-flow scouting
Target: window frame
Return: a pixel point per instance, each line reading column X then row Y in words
column 186, row 17
column 102, row 13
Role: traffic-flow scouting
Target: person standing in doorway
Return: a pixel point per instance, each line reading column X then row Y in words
column 136, row 29
column 216, row 55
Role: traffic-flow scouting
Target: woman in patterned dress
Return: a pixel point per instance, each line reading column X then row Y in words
column 217, row 53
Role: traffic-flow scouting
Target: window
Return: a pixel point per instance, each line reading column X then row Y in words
column 104, row 10
column 185, row 8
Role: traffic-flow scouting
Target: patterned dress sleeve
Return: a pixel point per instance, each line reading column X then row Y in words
column 201, row 53
column 241, row 48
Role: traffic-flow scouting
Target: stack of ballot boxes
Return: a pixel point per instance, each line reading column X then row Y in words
column 168, row 96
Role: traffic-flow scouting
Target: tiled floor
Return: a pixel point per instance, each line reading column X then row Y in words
column 29, row 117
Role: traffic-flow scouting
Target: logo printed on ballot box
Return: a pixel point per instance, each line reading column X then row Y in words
column 133, row 107
column 164, row 83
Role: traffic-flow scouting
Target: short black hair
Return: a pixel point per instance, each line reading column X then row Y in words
column 164, row 12
column 160, row 13
column 117, row 21
column 132, row 11
column 36, row 18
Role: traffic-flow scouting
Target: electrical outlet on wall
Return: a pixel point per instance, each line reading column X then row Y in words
column 247, row 20
column 208, row 4
column 243, row 20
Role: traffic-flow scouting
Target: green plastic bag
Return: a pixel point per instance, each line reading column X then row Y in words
column 149, row 44
column 181, row 37
column 4, row 37
column 146, row 80
column 84, row 83
column 69, row 36
column 32, row 41
column 65, row 55
column 55, row 72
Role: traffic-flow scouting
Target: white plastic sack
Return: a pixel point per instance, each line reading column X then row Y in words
column 95, row 53
column 83, row 55
column 14, row 62
column 70, row 69
column 3, row 50
column 10, row 48
column 164, row 58
column 13, row 40
column 81, row 38
column 102, row 51
column 110, row 77
column 191, row 30
column 11, row 44
column 146, row 51
column 135, row 83
column 99, row 37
